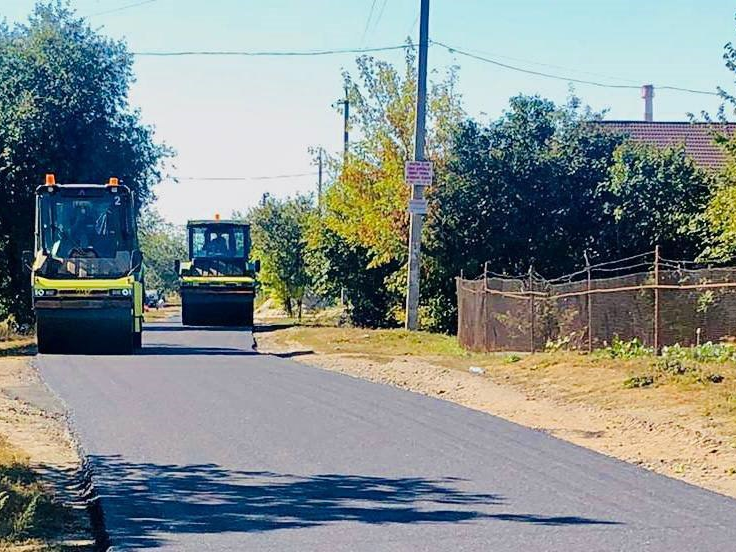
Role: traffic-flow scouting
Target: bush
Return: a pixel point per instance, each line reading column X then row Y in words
column 635, row 382
column 627, row 349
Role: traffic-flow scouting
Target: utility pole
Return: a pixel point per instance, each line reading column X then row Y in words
column 417, row 191
column 346, row 121
column 319, row 182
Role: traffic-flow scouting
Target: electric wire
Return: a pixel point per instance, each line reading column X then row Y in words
column 242, row 178
column 295, row 53
column 368, row 23
column 454, row 50
column 121, row 8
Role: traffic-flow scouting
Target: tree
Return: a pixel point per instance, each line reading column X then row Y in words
column 653, row 196
column 518, row 192
column 278, row 235
column 720, row 215
column 63, row 110
column 161, row 243
column 336, row 266
column 365, row 216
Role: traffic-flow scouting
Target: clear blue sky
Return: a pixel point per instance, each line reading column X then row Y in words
column 257, row 116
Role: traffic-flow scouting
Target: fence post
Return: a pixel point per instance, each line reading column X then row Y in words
column 589, row 298
column 656, row 299
column 531, row 309
column 484, row 304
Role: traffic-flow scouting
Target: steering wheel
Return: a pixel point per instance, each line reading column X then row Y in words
column 84, row 252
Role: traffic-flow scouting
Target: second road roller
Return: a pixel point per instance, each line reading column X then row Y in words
column 218, row 282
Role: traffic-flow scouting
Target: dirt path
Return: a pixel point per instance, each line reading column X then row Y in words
column 655, row 428
column 32, row 423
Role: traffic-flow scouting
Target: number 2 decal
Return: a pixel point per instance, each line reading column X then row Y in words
column 117, row 200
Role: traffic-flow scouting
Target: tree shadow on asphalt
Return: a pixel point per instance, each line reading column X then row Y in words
column 149, row 501
column 177, row 327
column 183, row 350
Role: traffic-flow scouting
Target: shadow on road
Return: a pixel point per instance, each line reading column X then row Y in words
column 176, row 327
column 153, row 499
column 183, row 350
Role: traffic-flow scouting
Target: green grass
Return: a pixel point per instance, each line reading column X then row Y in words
column 29, row 519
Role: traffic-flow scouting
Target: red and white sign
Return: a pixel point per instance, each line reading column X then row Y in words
column 418, row 173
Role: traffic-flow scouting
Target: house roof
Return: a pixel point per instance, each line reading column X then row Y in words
column 697, row 138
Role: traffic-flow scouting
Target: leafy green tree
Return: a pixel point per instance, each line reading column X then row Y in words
column 365, row 208
column 335, row 266
column 720, row 215
column 653, row 196
column 63, row 110
column 278, row 234
column 521, row 191
column 162, row 243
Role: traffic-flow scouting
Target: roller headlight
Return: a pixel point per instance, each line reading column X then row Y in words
column 39, row 292
column 120, row 292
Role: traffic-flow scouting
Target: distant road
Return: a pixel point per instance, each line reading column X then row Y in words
column 200, row 444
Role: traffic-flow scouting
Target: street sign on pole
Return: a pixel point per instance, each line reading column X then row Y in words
column 418, row 206
column 418, row 173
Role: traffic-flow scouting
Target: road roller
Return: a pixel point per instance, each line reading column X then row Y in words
column 218, row 282
column 87, row 269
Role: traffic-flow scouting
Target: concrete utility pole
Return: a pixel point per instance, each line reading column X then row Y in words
column 417, row 192
column 346, row 121
column 319, row 181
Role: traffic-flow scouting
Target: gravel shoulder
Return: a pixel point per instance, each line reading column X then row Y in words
column 681, row 429
column 38, row 458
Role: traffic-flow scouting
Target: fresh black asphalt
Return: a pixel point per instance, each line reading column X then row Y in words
column 199, row 443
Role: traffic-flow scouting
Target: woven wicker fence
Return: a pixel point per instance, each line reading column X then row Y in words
column 659, row 301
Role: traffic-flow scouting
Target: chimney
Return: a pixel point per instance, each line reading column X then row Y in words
column 647, row 92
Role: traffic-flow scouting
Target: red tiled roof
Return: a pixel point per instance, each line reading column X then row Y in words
column 697, row 138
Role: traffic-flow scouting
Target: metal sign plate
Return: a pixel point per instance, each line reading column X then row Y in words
column 418, row 173
column 418, row 206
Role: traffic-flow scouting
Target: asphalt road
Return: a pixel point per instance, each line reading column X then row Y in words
column 200, row 444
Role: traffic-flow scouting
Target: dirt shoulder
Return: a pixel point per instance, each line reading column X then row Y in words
column 683, row 425
column 44, row 508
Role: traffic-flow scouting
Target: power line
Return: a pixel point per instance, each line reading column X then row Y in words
column 452, row 49
column 121, row 8
column 295, row 53
column 242, row 178
column 550, row 65
column 380, row 15
column 368, row 22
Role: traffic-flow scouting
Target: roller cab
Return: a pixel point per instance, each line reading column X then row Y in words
column 86, row 271
column 218, row 282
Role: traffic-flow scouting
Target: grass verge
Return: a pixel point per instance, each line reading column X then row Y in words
column 29, row 518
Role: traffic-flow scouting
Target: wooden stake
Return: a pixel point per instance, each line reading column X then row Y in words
column 531, row 310
column 589, row 298
column 656, row 299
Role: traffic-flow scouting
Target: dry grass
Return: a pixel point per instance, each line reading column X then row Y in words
column 29, row 518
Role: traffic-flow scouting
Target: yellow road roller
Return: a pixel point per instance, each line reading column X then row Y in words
column 218, row 282
column 87, row 269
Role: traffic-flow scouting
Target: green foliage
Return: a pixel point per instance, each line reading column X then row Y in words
column 706, row 352
column 519, row 191
column 627, row 349
column 365, row 220
column 653, row 196
column 636, row 382
column 63, row 110
column 560, row 344
column 336, row 266
column 278, row 232
column 161, row 243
